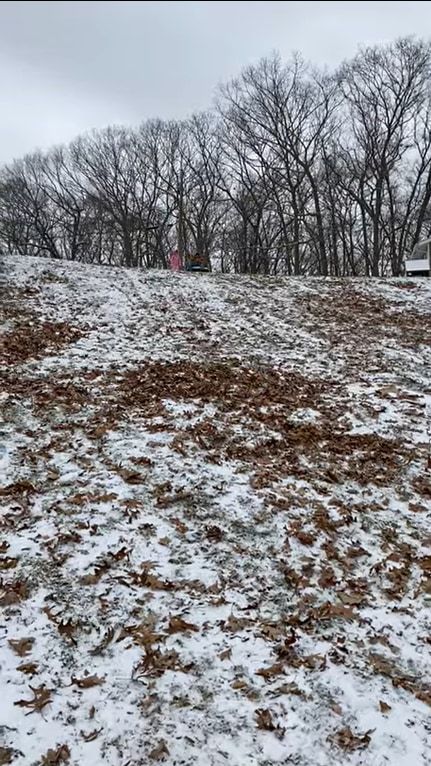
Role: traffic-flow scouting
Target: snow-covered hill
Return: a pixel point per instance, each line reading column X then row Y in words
column 216, row 531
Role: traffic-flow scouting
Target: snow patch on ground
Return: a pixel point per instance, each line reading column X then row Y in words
column 205, row 580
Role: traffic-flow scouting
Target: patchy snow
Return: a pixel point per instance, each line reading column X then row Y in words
column 215, row 519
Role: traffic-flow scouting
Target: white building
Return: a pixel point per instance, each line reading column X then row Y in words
column 418, row 265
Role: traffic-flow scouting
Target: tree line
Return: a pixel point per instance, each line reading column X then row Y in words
column 293, row 171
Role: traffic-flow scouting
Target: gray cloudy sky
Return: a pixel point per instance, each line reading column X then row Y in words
column 66, row 67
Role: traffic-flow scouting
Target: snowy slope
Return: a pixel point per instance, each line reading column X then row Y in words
column 216, row 500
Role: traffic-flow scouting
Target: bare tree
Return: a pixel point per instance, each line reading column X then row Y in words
column 385, row 88
column 294, row 171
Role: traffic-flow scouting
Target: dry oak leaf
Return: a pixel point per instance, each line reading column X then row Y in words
column 306, row 538
column 67, row 628
column 264, row 721
column 233, row 624
column 17, row 488
column 60, row 755
column 6, row 755
column 21, row 646
column 146, row 579
column 314, row 661
column 87, row 682
column 273, row 670
column 178, row 625
column 424, row 695
column 346, row 740
column 41, row 698
column 289, row 688
column 142, row 461
column 154, row 663
column 384, row 707
column 330, row 611
column 336, row 708
column 29, row 668
column 214, row 534
column 13, row 593
column 271, row 632
column 142, row 635
column 352, row 599
column 159, row 752
column 179, row 525
column 239, row 683
column 131, row 477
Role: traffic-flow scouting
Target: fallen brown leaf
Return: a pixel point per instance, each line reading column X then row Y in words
column 424, row 694
column 155, row 662
column 41, row 698
column 6, row 755
column 67, row 628
column 142, row 461
column 330, row 611
column 179, row 525
column 148, row 580
column 346, row 740
column 29, row 668
column 273, row 670
column 214, row 534
column 60, row 755
column 239, row 683
column 131, row 477
column 50, row 614
column 178, row 625
column 272, row 632
column 159, row 751
column 306, row 538
column 122, row 553
column 264, row 721
column 142, row 634
column 21, row 646
column 289, row 688
column 233, row 624
column 13, row 593
column 327, row 578
column 17, row 488
column 384, row 707
column 352, row 599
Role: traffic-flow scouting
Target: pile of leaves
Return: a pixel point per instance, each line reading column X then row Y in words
column 352, row 315
column 258, row 402
column 30, row 340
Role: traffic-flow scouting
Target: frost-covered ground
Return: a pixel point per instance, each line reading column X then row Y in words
column 215, row 529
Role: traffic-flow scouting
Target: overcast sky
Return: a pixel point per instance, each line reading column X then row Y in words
column 67, row 67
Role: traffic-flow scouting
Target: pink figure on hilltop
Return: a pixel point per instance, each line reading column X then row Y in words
column 175, row 261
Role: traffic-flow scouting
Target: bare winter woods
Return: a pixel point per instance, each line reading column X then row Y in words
column 293, row 171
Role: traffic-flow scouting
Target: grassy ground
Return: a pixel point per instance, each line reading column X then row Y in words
column 215, row 540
